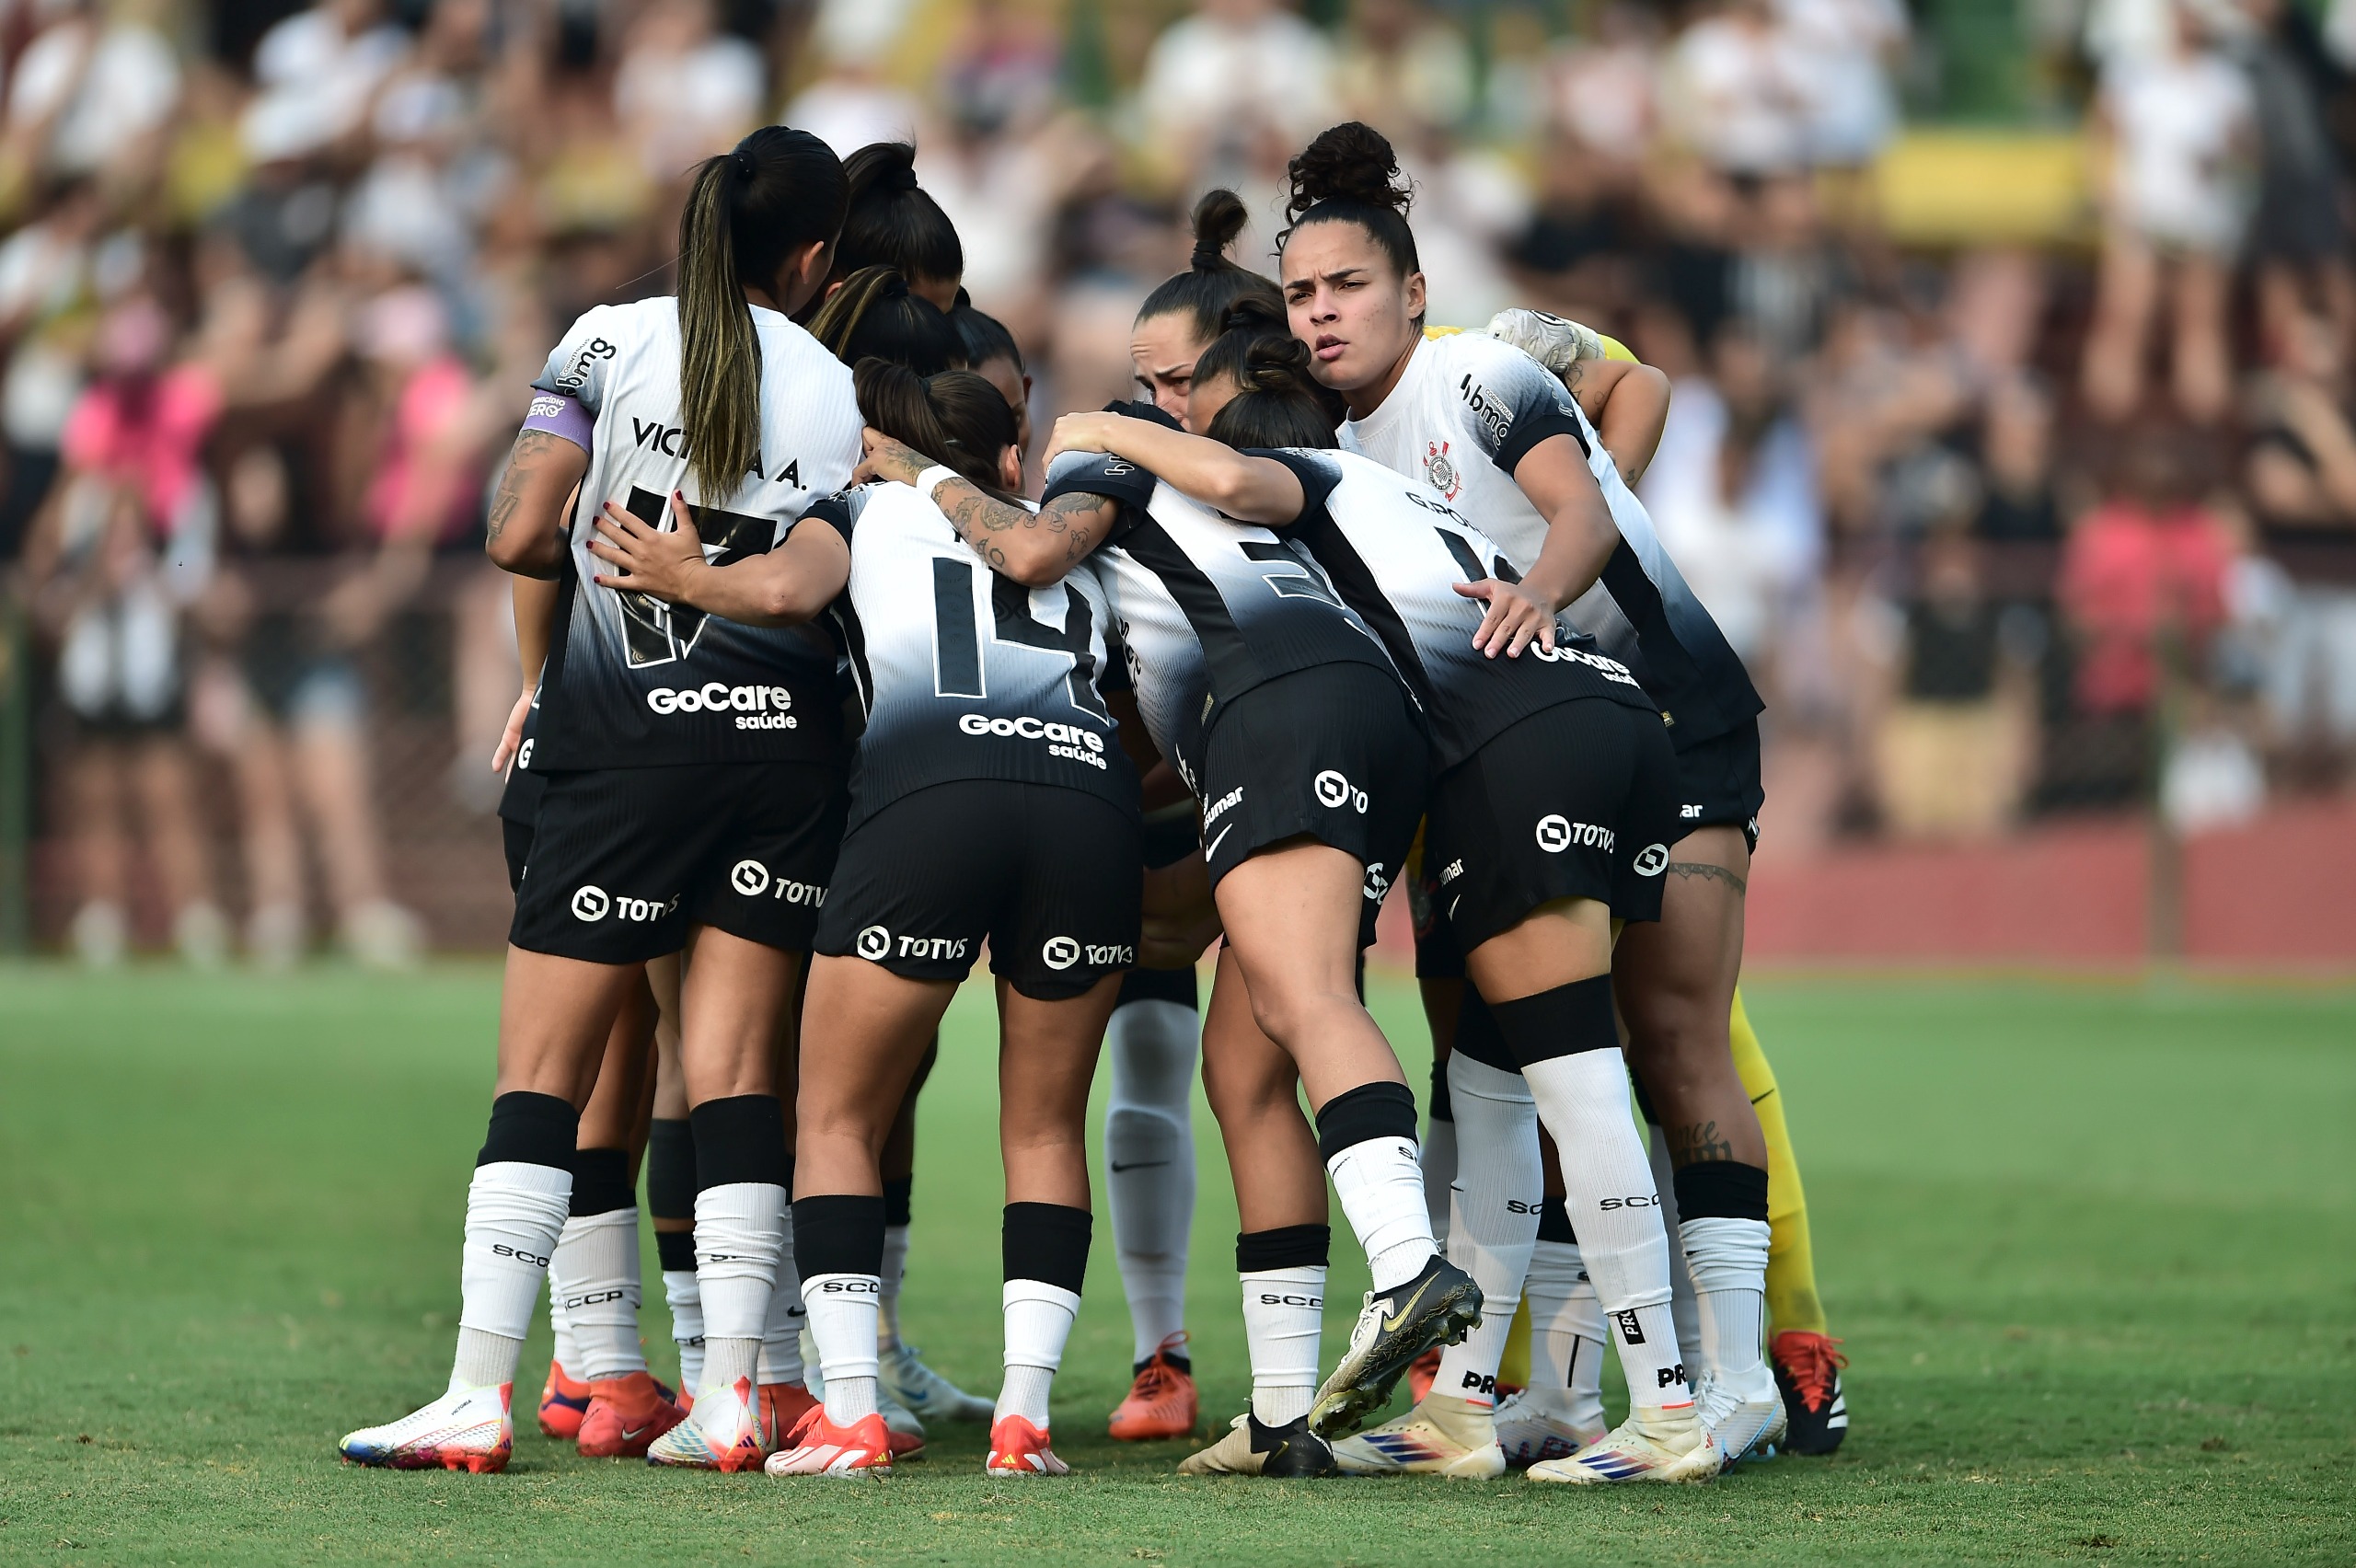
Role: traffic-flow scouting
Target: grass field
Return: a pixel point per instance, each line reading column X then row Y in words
column 2092, row 1248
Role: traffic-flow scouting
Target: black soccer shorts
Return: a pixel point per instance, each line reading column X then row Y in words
column 1335, row 753
column 1047, row 874
column 623, row 859
column 1577, row 801
column 1718, row 782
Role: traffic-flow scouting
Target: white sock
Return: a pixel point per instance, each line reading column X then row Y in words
column 1729, row 1258
column 1381, row 1189
column 566, row 1354
column 843, row 1309
column 1614, row 1208
column 1149, row 1161
column 1492, row 1222
column 781, row 1336
column 1283, row 1312
column 1681, row 1278
column 1439, row 1163
column 596, row 1270
column 1565, row 1336
column 740, row 1230
column 1038, row 1322
column 515, row 1212
column 686, row 1324
column 896, row 1273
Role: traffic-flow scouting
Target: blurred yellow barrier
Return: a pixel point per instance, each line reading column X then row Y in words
column 1985, row 187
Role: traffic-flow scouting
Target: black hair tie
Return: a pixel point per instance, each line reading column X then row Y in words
column 900, row 178
column 1205, row 259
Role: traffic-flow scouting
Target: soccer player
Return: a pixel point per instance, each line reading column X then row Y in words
column 897, row 274
column 1156, row 1028
column 1283, row 713
column 1627, row 410
column 694, row 796
column 1494, row 434
column 1550, row 816
column 984, row 713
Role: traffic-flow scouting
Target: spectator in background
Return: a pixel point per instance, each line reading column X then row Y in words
column 853, row 104
column 685, row 91
column 1849, row 47
column 1233, row 90
column 1402, row 71
column 318, row 72
column 1602, row 89
column 124, row 542
column 1954, row 745
column 47, row 287
column 1006, row 158
column 2300, row 477
column 2299, row 237
column 2177, row 132
column 91, row 94
column 2144, row 590
column 1737, row 91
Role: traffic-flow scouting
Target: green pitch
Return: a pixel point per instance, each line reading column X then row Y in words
column 2090, row 1246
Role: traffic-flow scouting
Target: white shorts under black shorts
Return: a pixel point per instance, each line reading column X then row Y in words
column 623, row 859
column 1049, row 875
column 1335, row 753
column 1577, row 801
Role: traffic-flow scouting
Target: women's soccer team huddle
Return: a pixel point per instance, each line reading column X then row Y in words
column 1344, row 601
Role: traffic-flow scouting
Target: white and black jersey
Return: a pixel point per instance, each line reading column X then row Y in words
column 964, row 674
column 1207, row 608
column 1465, row 412
column 632, row 682
column 1395, row 552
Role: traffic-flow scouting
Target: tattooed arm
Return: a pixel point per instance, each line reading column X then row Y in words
column 1034, row 548
column 524, row 533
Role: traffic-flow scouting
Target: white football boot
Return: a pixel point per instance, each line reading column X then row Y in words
column 1746, row 1422
column 468, row 1429
column 926, row 1394
column 1443, row 1435
column 1672, row 1446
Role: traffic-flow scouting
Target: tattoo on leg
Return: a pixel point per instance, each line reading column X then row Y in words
column 1707, row 871
column 1696, row 1143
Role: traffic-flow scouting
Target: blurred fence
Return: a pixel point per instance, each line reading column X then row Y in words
column 436, row 835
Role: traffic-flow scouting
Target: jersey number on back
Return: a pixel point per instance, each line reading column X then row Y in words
column 657, row 633
column 1297, row 581
column 957, row 641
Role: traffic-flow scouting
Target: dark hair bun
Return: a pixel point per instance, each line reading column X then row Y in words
column 886, row 165
column 1219, row 216
column 1277, row 364
column 1254, row 314
column 1351, row 162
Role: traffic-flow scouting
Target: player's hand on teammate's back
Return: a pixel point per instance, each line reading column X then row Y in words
column 656, row 560
column 1516, row 617
column 883, row 457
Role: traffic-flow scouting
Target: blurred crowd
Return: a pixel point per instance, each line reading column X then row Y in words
column 2003, row 531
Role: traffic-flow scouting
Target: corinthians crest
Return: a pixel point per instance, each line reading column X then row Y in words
column 1441, row 469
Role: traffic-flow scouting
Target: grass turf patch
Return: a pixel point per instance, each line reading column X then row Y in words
column 2089, row 1245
